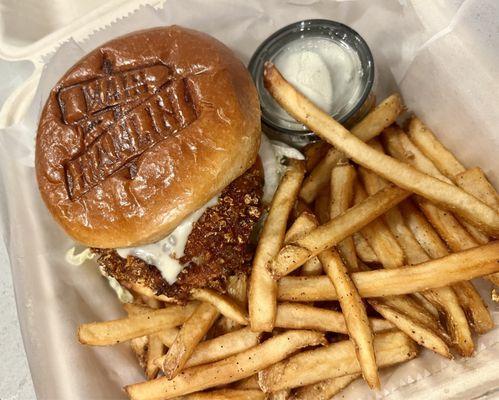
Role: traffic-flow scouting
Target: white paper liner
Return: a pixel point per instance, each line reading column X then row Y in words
column 443, row 59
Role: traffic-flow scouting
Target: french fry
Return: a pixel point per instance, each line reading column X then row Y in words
column 476, row 183
column 354, row 313
column 248, row 383
column 191, row 333
column 283, row 394
column 299, row 208
column 314, row 153
column 401, row 147
column 139, row 345
column 293, row 255
column 324, row 390
column 334, row 361
column 224, row 304
column 226, row 394
column 372, row 125
column 303, row 225
column 262, row 290
column 427, row 142
column 429, row 239
column 342, row 187
column 120, row 330
column 445, row 271
column 379, row 237
column 155, row 349
column 363, row 249
column 419, row 333
column 321, row 204
column 219, row 348
column 302, row 316
column 228, row 370
column 399, row 173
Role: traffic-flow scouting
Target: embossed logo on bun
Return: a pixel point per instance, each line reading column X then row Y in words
column 140, row 134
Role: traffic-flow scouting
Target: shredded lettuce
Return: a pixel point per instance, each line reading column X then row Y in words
column 80, row 258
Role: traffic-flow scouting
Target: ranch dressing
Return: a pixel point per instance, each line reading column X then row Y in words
column 326, row 71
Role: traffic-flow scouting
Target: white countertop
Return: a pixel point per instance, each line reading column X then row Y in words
column 15, row 378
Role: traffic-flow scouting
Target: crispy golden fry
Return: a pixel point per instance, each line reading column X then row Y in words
column 155, row 349
column 333, row 361
column 354, row 313
column 305, row 222
column 120, row 330
column 393, row 218
column 372, row 125
column 219, row 347
column 379, row 237
column 401, row 147
column 224, row 304
column 228, row 370
column 321, row 204
column 427, row 142
column 434, row 246
column 342, row 184
column 139, row 345
column 363, row 249
column 403, row 175
column 445, row 271
column 302, row 316
column 476, row 183
column 293, row 255
column 324, row 390
column 226, row 394
column 262, row 290
column 421, row 334
column 314, row 153
column 303, row 225
column 191, row 333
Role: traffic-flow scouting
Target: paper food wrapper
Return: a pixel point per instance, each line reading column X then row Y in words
column 442, row 57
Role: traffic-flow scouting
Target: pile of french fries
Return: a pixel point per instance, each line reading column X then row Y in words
column 365, row 257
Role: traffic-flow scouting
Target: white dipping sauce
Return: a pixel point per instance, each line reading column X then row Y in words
column 165, row 254
column 329, row 73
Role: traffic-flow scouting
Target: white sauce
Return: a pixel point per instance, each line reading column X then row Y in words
column 165, row 254
column 328, row 72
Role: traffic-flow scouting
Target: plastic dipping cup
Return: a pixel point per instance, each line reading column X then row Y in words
column 328, row 62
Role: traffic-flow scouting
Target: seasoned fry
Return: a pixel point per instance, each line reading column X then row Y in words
column 228, row 370
column 401, row 147
column 303, row 225
column 314, row 153
column 219, row 347
column 321, row 204
column 354, row 313
column 224, row 304
column 283, row 394
column 155, row 349
column 429, row 239
column 326, row 389
column 262, row 290
column 325, row 236
column 372, row 125
column 334, row 361
column 427, row 142
column 363, row 249
column 301, row 316
column 305, row 222
column 191, row 333
column 248, row 383
column 445, row 271
column 476, row 183
column 120, row 330
column 226, row 394
column 379, row 237
column 419, row 333
column 342, row 185
column 403, row 175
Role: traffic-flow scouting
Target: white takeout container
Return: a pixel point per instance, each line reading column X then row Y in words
column 442, row 56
